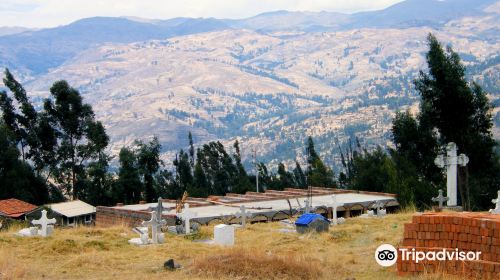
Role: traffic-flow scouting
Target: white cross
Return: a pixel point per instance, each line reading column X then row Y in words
column 307, row 206
column 186, row 215
column 450, row 162
column 243, row 214
column 334, row 209
column 159, row 209
column 378, row 205
column 155, row 226
column 440, row 198
column 497, row 204
column 44, row 222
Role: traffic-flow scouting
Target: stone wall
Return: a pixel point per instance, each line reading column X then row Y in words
column 465, row 231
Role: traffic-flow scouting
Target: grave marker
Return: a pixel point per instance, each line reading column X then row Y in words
column 243, row 214
column 45, row 223
column 155, row 226
column 440, row 199
column 450, row 161
column 186, row 215
column 334, row 206
column 224, row 235
column 497, row 204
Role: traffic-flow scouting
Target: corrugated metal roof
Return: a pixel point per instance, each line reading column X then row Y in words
column 72, row 208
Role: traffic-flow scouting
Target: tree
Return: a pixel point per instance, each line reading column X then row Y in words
column 81, row 139
column 33, row 131
column 148, row 162
column 17, row 179
column 451, row 110
column 242, row 182
column 128, row 187
column 184, row 173
column 299, row 176
column 318, row 174
column 284, row 178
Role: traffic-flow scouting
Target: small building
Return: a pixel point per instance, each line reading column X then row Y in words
column 72, row 213
column 312, row 222
column 16, row 209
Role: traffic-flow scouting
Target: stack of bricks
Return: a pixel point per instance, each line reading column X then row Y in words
column 465, row 231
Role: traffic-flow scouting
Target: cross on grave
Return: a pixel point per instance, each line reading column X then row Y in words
column 497, row 205
column 186, row 215
column 159, row 209
column 334, row 209
column 155, row 226
column 44, row 222
column 378, row 205
column 450, row 161
column 440, row 199
column 243, row 214
column 307, row 207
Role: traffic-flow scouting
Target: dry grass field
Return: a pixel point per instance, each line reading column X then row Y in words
column 261, row 252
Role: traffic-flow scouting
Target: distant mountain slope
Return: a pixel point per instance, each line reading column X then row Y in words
column 35, row 52
column 9, row 30
column 32, row 53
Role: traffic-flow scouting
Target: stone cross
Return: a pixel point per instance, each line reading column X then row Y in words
column 440, row 199
column 243, row 214
column 155, row 226
column 497, row 204
column 159, row 209
column 450, row 161
column 334, row 209
column 44, row 223
column 186, row 215
column 307, row 208
column 378, row 205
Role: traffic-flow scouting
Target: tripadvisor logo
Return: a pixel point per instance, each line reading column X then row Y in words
column 387, row 255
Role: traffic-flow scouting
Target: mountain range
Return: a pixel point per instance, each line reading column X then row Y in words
column 268, row 80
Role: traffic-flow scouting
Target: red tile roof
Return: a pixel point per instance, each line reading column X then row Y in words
column 14, row 207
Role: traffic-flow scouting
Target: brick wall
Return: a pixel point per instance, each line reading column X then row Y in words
column 106, row 216
column 465, row 231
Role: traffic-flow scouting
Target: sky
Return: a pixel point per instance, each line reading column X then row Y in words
column 51, row 13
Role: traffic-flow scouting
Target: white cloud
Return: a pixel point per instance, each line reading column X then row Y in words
column 48, row 13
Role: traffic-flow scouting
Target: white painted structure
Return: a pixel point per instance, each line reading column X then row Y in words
column 186, row 215
column 497, row 204
column 46, row 227
column 243, row 215
column 450, row 161
column 73, row 212
column 155, row 228
column 440, row 199
column 224, row 235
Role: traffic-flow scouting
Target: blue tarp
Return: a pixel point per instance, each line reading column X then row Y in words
column 306, row 219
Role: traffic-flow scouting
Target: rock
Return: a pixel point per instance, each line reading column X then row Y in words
column 171, row 265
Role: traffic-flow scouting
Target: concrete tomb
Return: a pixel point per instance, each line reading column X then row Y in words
column 312, row 222
column 224, row 235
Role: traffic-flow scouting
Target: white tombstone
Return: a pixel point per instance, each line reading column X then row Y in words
column 370, row 213
column 440, row 198
column 380, row 212
column 224, row 235
column 341, row 220
column 186, row 215
column 28, row 232
column 243, row 214
column 334, row 206
column 46, row 224
column 497, row 205
column 143, row 238
column 155, row 227
column 450, row 161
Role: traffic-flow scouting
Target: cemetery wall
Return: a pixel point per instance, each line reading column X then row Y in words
column 466, row 231
column 107, row 216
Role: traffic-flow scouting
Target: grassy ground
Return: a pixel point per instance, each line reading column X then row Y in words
column 261, row 252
